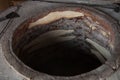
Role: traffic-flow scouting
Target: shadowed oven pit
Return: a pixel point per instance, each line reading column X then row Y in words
column 61, row 46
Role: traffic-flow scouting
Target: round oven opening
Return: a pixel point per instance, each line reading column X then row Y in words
column 63, row 46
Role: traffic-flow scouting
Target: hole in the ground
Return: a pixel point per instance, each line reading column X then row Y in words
column 66, row 58
column 59, row 48
column 63, row 59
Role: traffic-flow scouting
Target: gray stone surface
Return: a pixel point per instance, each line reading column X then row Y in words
column 7, row 72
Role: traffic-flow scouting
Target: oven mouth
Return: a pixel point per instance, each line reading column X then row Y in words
column 63, row 47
